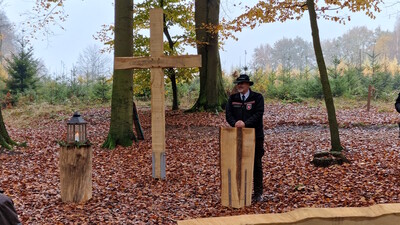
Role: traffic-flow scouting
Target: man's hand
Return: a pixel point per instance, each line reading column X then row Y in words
column 240, row 123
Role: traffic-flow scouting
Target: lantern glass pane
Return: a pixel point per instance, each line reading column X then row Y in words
column 76, row 129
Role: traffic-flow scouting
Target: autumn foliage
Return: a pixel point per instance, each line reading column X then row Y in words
column 125, row 193
column 280, row 11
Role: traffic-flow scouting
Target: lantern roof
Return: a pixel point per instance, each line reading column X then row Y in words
column 76, row 119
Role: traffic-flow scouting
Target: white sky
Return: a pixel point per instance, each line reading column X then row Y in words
column 87, row 16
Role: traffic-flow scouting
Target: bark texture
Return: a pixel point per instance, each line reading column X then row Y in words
column 5, row 140
column 212, row 96
column 326, row 88
column 121, row 126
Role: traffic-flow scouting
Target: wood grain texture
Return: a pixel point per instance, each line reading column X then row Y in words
column 76, row 174
column 385, row 214
column 237, row 160
column 157, row 91
column 156, row 62
column 183, row 61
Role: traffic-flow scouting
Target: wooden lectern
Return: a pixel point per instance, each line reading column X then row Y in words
column 237, row 161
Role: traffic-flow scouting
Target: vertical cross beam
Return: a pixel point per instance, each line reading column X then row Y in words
column 157, row 95
column 156, row 62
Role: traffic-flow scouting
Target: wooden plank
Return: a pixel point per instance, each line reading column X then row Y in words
column 157, row 110
column 183, row 61
column 157, row 94
column 229, row 195
column 136, row 122
column 388, row 214
column 248, row 147
column 156, row 32
column 237, row 159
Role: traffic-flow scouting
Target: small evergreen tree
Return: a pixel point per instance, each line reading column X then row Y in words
column 22, row 69
column 102, row 89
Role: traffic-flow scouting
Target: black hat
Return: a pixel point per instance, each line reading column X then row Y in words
column 243, row 78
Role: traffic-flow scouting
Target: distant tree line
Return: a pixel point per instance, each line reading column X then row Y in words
column 359, row 58
column 352, row 48
column 28, row 80
column 285, row 70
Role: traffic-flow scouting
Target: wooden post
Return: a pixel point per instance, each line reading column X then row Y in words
column 237, row 147
column 156, row 62
column 136, row 122
column 157, row 95
column 76, row 173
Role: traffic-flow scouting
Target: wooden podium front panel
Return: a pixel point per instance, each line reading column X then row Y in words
column 248, row 151
column 237, row 159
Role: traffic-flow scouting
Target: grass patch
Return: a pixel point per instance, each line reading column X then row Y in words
column 378, row 105
column 28, row 115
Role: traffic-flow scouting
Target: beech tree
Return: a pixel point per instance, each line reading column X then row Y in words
column 273, row 11
column 121, row 126
column 6, row 36
column 212, row 96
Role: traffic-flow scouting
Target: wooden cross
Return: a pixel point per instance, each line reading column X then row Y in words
column 156, row 62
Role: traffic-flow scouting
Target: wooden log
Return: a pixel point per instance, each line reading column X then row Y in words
column 76, row 173
column 237, row 161
column 387, row 214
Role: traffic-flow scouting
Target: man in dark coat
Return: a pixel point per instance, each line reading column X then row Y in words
column 246, row 109
column 8, row 215
column 397, row 104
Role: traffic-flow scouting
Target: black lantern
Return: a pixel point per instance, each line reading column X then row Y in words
column 76, row 129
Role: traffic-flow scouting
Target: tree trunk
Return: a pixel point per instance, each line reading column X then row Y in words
column 333, row 125
column 172, row 77
column 171, row 71
column 5, row 140
column 121, row 126
column 212, row 96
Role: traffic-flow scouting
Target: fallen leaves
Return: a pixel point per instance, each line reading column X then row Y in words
column 125, row 193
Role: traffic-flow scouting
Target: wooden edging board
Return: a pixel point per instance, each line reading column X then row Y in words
column 383, row 214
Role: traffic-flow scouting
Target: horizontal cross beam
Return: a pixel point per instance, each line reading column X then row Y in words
column 184, row 61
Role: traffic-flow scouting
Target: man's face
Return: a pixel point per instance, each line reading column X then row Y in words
column 243, row 87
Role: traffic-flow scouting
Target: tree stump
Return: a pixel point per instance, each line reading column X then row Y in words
column 237, row 147
column 76, row 173
column 325, row 159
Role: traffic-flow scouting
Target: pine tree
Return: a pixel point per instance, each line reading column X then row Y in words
column 22, row 69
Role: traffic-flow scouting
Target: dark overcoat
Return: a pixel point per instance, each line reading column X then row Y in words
column 8, row 215
column 397, row 104
column 250, row 111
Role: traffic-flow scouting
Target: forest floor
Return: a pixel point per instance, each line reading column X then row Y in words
column 124, row 191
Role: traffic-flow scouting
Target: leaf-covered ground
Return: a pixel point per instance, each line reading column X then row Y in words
column 125, row 193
